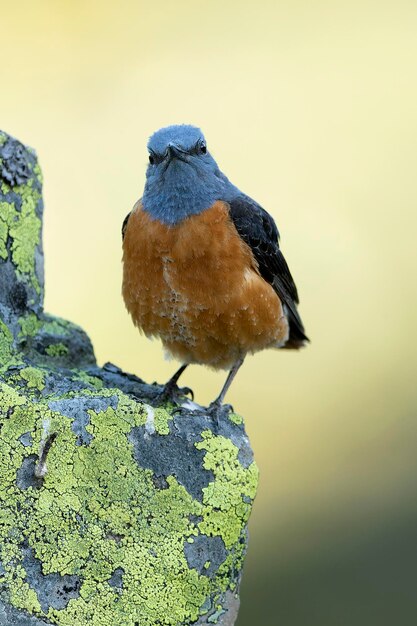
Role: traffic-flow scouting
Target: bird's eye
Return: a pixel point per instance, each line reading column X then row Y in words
column 203, row 148
column 151, row 159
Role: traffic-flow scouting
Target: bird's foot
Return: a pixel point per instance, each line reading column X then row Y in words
column 215, row 411
column 174, row 394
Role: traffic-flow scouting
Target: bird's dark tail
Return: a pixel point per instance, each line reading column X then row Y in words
column 297, row 338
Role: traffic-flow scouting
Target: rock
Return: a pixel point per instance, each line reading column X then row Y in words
column 112, row 511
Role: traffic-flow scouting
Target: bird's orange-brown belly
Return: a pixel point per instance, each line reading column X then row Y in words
column 195, row 285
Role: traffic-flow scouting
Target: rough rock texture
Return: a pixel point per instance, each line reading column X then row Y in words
column 112, row 511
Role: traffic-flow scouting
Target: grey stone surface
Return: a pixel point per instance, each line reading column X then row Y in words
column 25, row 476
column 20, row 291
column 13, row 294
column 78, row 412
column 226, row 616
column 26, row 440
column 205, row 554
column 116, row 579
column 14, row 162
column 53, row 590
column 9, row 616
column 172, row 456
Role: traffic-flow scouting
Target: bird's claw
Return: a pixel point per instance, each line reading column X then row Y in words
column 187, row 391
column 215, row 411
column 218, row 412
column 174, row 394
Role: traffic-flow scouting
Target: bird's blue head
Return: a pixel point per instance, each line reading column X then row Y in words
column 182, row 178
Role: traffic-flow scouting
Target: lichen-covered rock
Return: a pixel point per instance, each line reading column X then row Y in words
column 112, row 511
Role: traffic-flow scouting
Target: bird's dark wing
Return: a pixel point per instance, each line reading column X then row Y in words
column 124, row 225
column 259, row 231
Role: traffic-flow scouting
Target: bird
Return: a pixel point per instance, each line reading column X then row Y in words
column 202, row 266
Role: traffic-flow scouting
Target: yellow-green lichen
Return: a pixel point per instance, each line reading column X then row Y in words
column 235, row 418
column 34, row 377
column 25, row 233
column 7, row 217
column 93, row 381
column 21, row 595
column 10, row 397
column 58, row 326
column 38, row 172
column 98, row 510
column 5, row 188
column 6, row 344
column 29, row 325
column 161, row 419
column 226, row 512
column 23, row 227
column 57, row 349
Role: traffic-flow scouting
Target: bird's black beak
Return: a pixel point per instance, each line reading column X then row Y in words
column 174, row 152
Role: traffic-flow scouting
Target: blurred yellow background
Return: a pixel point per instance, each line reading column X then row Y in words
column 310, row 108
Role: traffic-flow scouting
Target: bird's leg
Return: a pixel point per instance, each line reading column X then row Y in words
column 174, row 379
column 170, row 391
column 216, row 409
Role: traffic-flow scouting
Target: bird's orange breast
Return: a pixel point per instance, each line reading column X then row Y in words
column 196, row 286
